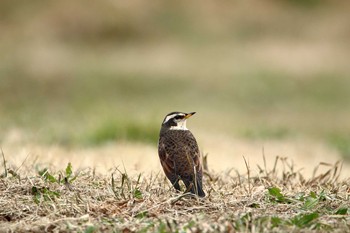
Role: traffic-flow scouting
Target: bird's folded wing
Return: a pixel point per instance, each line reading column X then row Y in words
column 167, row 161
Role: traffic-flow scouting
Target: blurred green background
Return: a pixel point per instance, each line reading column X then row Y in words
column 82, row 73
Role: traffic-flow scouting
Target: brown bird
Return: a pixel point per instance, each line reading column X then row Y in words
column 179, row 154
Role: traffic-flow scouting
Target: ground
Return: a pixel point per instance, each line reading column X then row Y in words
column 39, row 197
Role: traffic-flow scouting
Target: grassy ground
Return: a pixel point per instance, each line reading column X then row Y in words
column 277, row 199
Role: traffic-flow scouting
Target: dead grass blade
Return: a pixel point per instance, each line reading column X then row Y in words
column 4, row 163
column 248, row 173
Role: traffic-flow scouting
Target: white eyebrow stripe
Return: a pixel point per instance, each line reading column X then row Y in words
column 171, row 116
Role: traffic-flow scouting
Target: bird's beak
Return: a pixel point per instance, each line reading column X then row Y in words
column 189, row 114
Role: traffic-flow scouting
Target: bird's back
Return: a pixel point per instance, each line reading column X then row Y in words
column 181, row 147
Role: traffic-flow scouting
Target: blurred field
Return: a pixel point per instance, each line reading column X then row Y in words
column 272, row 75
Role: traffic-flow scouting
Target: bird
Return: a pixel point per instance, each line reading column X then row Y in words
column 179, row 154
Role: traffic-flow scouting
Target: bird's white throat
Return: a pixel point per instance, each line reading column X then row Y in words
column 181, row 125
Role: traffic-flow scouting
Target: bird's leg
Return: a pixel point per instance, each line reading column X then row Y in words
column 175, row 182
column 189, row 185
column 177, row 186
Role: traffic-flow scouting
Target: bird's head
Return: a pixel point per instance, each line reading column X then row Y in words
column 176, row 120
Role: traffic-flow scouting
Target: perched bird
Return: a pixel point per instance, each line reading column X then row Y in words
column 179, row 154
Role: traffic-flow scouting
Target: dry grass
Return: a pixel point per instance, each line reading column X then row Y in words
column 277, row 199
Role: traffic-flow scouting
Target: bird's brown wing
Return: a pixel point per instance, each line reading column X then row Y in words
column 166, row 160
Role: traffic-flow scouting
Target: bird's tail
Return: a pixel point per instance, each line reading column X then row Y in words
column 198, row 190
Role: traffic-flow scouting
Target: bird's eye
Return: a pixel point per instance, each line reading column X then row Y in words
column 178, row 117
